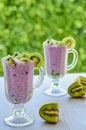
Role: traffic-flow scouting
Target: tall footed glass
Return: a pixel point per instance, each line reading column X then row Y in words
column 19, row 89
column 56, row 58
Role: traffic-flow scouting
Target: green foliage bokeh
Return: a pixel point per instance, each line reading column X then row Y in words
column 25, row 24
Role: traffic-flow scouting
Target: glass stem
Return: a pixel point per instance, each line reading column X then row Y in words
column 55, row 84
column 18, row 110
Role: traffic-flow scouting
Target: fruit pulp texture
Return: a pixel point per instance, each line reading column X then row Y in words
column 55, row 59
column 19, row 82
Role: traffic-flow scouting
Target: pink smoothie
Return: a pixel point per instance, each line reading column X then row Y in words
column 19, row 81
column 55, row 59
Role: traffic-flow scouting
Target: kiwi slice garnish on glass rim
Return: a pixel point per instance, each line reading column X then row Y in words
column 25, row 57
column 69, row 41
column 37, row 58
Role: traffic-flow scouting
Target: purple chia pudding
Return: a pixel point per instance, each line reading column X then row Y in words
column 19, row 81
column 55, row 59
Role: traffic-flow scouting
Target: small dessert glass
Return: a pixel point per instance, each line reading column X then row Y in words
column 56, row 58
column 19, row 89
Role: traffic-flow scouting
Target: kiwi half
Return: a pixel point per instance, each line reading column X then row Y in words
column 82, row 81
column 50, row 112
column 76, row 89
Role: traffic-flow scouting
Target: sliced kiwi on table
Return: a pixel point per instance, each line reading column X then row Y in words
column 50, row 112
column 76, row 89
column 82, row 80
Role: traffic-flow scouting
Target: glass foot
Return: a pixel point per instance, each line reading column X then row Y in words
column 19, row 121
column 55, row 92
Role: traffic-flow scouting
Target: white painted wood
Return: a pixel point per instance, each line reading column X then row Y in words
column 72, row 111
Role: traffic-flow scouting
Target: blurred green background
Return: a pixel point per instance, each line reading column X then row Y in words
column 25, row 24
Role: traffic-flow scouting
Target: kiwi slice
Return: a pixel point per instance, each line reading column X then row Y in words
column 50, row 42
column 60, row 43
column 37, row 58
column 50, row 112
column 25, row 60
column 70, row 42
column 26, row 55
column 47, row 41
column 11, row 62
column 82, row 81
column 17, row 55
column 53, row 42
column 76, row 89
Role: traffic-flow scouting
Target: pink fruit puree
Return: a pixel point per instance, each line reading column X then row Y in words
column 55, row 59
column 19, row 81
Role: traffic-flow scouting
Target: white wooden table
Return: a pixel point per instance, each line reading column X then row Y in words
column 72, row 114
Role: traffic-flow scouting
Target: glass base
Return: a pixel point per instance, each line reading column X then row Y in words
column 55, row 92
column 19, row 121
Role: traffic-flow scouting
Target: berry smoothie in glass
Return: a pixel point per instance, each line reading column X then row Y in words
column 56, row 66
column 18, row 75
column 19, row 81
column 55, row 60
